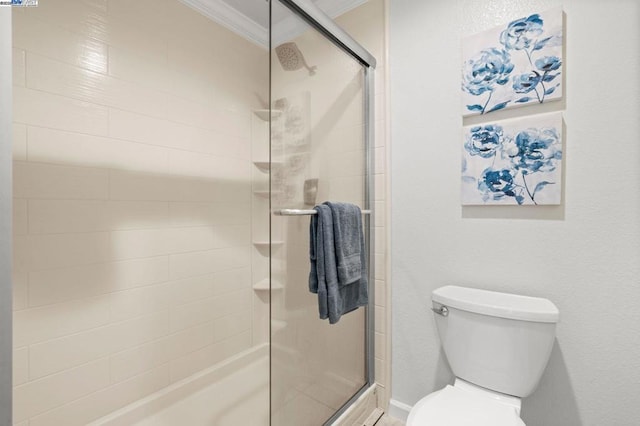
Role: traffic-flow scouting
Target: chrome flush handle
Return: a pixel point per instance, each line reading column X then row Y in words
column 442, row 310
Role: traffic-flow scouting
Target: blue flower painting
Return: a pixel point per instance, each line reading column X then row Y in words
column 512, row 65
column 515, row 161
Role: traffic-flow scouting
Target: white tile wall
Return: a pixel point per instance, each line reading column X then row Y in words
column 182, row 367
column 48, row 322
column 137, row 186
column 138, row 214
column 202, row 214
column 132, row 231
column 209, row 309
column 20, row 366
column 20, row 217
column 61, row 147
column 109, row 398
column 132, row 65
column 71, row 47
column 38, row 396
column 39, row 252
column 20, row 290
column 203, row 262
column 52, row 76
column 38, row 180
column 19, row 60
column 132, row 362
column 138, row 301
column 19, row 141
column 60, row 354
column 44, row 109
column 137, row 127
column 65, row 284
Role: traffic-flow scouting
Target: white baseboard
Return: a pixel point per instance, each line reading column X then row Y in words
column 399, row 410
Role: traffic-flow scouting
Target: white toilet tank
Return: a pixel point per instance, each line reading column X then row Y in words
column 495, row 340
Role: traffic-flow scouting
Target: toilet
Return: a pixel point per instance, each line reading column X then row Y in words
column 497, row 345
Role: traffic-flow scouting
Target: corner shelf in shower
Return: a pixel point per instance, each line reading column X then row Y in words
column 265, row 244
column 263, row 114
column 263, row 285
column 264, row 166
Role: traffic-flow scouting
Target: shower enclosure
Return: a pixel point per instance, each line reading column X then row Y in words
column 319, row 151
column 166, row 159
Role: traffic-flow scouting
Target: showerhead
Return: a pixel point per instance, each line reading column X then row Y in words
column 291, row 58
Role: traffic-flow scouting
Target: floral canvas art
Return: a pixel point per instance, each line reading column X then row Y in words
column 516, row 161
column 517, row 64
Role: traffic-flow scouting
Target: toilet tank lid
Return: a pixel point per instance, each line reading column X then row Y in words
column 493, row 303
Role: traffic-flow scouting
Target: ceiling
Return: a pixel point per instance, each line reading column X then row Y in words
column 250, row 18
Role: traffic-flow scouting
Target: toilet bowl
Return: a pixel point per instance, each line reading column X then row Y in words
column 497, row 345
column 464, row 404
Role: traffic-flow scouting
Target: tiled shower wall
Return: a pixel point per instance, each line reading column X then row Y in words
column 132, row 214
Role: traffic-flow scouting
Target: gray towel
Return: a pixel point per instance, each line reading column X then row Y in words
column 321, row 233
column 336, row 297
column 348, row 239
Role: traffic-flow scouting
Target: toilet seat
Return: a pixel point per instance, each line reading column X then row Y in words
column 457, row 406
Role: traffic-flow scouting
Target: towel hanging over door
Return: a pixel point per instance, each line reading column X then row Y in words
column 337, row 255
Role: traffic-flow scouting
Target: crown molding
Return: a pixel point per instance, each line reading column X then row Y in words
column 226, row 15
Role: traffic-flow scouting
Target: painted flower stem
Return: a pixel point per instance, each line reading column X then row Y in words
column 527, row 188
column 540, row 99
column 538, row 95
column 529, row 57
column 544, row 89
column 487, row 103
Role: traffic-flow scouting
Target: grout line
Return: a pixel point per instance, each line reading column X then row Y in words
column 166, row 118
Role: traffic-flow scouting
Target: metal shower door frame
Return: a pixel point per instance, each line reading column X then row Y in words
column 6, row 298
column 317, row 19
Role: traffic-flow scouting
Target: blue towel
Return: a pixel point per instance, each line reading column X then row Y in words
column 338, row 261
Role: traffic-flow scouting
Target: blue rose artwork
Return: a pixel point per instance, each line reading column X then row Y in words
column 516, row 161
column 512, row 65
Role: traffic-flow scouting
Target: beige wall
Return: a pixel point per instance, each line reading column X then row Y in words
column 132, row 232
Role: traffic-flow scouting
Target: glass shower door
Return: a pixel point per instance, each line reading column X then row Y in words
column 318, row 153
